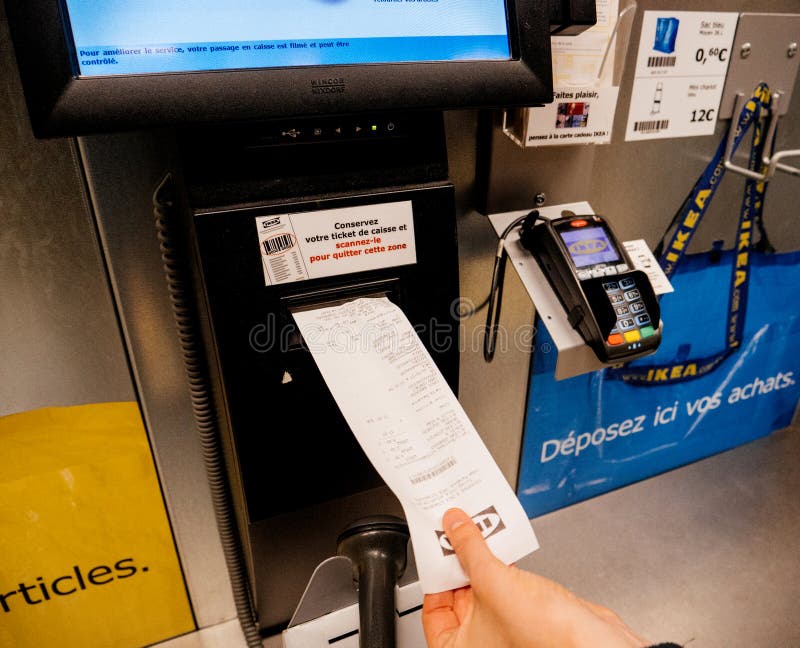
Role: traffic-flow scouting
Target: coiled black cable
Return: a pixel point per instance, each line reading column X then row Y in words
column 496, row 291
column 184, row 309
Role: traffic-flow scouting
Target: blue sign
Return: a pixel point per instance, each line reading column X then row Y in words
column 591, row 434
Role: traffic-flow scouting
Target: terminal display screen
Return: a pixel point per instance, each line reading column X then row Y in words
column 589, row 246
column 120, row 37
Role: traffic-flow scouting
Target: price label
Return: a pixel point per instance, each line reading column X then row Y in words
column 680, row 73
column 704, row 55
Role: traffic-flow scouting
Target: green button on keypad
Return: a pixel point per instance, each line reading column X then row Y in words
column 647, row 331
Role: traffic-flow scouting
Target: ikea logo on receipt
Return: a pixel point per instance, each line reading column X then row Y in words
column 488, row 521
column 588, row 246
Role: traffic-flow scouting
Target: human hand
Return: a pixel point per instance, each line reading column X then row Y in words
column 505, row 607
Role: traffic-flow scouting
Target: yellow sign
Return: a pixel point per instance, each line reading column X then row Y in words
column 87, row 558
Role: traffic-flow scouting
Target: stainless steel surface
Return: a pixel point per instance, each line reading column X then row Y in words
column 493, row 395
column 59, row 339
column 517, row 175
column 330, row 588
column 122, row 172
column 768, row 40
column 705, row 554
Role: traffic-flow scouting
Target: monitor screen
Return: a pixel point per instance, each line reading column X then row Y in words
column 110, row 65
column 120, row 37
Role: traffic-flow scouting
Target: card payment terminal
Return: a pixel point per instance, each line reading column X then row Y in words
column 610, row 304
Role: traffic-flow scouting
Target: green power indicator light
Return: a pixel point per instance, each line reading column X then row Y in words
column 374, row 127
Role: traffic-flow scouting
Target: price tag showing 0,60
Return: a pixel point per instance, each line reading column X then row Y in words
column 680, row 73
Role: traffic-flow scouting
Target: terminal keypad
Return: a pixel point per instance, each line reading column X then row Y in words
column 633, row 321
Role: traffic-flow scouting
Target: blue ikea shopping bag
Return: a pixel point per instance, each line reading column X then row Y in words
column 592, row 433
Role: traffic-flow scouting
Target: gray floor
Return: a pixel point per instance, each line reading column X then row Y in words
column 707, row 554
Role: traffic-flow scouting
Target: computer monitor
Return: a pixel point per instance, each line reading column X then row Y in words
column 89, row 66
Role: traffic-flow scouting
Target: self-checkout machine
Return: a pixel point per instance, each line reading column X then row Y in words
column 342, row 192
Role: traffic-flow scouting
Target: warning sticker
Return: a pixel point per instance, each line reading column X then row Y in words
column 311, row 245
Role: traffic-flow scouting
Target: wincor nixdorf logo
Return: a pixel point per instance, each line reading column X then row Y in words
column 334, row 85
column 488, row 521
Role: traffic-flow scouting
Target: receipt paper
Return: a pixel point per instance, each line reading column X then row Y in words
column 414, row 431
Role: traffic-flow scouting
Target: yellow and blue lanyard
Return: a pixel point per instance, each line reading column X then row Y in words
column 690, row 216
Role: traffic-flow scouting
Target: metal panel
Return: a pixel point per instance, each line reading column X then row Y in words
column 122, row 172
column 59, row 338
column 642, row 198
column 762, row 51
column 492, row 395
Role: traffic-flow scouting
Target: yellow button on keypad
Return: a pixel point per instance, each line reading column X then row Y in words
column 632, row 336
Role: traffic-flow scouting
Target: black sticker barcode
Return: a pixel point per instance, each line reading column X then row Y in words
column 445, row 465
column 651, row 126
column 278, row 243
column 661, row 61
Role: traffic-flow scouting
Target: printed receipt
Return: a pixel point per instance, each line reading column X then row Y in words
column 415, row 432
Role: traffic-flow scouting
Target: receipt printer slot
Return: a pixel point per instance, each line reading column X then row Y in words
column 328, row 297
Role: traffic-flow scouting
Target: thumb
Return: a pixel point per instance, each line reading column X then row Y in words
column 468, row 543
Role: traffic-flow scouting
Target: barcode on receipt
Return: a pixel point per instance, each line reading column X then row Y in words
column 442, row 467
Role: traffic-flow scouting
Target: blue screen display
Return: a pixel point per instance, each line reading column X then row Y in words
column 589, row 245
column 120, row 37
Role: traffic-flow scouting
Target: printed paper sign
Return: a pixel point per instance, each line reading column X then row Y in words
column 88, row 557
column 585, row 98
column 310, row 245
column 415, row 432
column 644, row 260
column 576, row 116
column 680, row 73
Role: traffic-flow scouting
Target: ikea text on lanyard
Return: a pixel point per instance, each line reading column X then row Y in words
column 692, row 212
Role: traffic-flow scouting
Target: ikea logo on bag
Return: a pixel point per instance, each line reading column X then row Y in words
column 588, row 246
column 488, row 521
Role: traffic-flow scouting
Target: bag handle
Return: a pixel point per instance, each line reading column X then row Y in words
column 688, row 220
